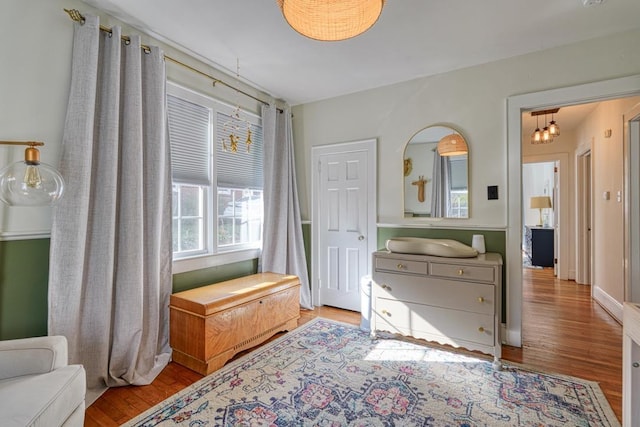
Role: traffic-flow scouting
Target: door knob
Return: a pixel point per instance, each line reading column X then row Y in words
column 360, row 237
column 635, row 365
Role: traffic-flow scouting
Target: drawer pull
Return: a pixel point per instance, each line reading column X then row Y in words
column 480, row 299
column 386, row 287
column 460, row 272
column 481, row 329
column 386, row 313
column 401, row 266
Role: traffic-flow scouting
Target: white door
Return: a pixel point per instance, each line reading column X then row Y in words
column 344, row 222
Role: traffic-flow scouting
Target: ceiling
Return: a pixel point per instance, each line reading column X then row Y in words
column 412, row 38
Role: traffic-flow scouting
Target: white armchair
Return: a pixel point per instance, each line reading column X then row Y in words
column 37, row 386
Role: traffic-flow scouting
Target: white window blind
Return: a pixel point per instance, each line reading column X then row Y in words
column 239, row 169
column 189, row 135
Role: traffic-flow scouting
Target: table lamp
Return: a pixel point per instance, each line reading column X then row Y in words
column 540, row 202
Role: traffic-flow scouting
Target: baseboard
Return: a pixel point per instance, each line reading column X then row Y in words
column 513, row 337
column 572, row 275
column 608, row 303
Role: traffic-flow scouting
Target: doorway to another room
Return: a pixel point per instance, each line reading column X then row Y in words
column 540, row 208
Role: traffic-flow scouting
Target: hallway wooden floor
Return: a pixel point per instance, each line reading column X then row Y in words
column 564, row 331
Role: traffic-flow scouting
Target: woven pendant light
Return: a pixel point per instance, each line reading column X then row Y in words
column 331, row 20
column 452, row 145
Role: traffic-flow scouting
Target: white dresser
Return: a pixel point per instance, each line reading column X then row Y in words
column 454, row 301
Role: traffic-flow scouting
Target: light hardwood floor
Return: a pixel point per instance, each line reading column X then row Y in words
column 564, row 331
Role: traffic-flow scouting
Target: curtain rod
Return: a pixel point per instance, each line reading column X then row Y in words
column 75, row 15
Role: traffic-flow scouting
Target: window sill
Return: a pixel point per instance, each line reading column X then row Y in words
column 205, row 261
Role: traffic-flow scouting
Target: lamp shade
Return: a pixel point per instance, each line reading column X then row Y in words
column 30, row 182
column 331, row 20
column 452, row 145
column 540, row 202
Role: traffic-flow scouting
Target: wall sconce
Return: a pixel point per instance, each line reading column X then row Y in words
column 30, row 182
column 540, row 202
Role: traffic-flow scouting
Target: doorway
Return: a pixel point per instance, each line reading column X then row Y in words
column 551, row 179
column 583, row 218
column 516, row 105
column 344, row 232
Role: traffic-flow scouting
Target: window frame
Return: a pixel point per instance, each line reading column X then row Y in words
column 211, row 256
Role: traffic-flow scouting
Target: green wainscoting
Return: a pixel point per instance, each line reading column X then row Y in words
column 24, row 274
column 24, row 270
column 495, row 241
column 306, row 235
column 207, row 276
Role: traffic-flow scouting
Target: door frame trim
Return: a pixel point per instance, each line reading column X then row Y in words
column 584, row 247
column 516, row 105
column 631, row 147
column 370, row 147
column 563, row 255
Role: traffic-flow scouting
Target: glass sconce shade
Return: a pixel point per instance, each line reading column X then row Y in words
column 29, row 183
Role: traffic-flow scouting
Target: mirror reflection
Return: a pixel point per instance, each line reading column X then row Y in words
column 436, row 174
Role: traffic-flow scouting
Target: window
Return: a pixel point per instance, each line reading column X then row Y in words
column 458, row 191
column 217, row 195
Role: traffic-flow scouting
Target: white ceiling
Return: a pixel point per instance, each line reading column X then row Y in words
column 412, row 38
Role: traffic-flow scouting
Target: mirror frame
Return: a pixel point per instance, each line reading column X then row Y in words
column 421, row 180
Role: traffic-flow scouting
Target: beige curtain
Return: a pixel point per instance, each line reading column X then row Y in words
column 110, row 259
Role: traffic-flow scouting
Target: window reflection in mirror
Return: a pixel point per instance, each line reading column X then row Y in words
column 434, row 185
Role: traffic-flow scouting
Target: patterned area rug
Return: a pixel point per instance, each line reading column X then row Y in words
column 330, row 374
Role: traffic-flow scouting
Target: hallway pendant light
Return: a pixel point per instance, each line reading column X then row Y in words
column 30, row 182
column 554, row 129
column 452, row 145
column 549, row 131
column 536, row 137
column 331, row 20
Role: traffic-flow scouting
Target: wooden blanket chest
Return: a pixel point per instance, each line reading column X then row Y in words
column 210, row 324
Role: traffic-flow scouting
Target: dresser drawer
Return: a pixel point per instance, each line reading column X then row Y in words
column 472, row 297
column 461, row 271
column 401, row 265
column 443, row 325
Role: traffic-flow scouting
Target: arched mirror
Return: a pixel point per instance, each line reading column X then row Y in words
column 436, row 174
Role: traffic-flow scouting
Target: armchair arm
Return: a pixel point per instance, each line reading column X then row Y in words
column 29, row 356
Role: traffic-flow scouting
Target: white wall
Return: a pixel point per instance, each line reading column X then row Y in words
column 607, row 154
column 473, row 100
column 34, row 79
column 35, row 49
column 537, row 180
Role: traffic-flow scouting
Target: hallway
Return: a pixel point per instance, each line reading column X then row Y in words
column 567, row 332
